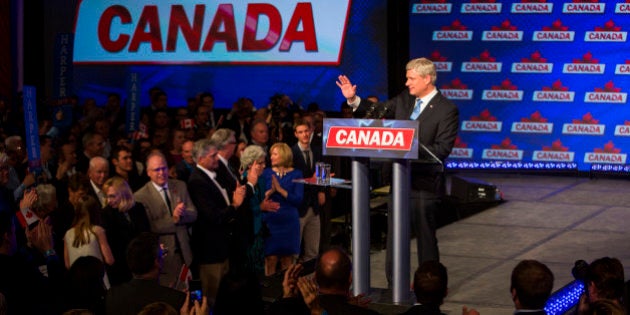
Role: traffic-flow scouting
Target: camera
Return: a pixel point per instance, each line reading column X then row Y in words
column 194, row 289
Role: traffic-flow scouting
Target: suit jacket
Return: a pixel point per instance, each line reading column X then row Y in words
column 210, row 235
column 439, row 124
column 161, row 218
column 310, row 191
column 131, row 297
column 120, row 231
column 423, row 310
column 225, row 178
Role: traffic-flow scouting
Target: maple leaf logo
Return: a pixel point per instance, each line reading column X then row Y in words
column 586, row 119
column 483, row 57
column 505, row 26
column 609, row 147
column 556, row 146
column 535, row 117
column 505, row 85
column 608, row 27
column 609, row 87
column 455, row 26
column 556, row 86
column 534, row 57
column 506, row 144
column 586, row 58
column 436, row 56
column 485, row 115
column 456, row 84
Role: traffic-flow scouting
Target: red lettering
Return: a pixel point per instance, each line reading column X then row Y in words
column 224, row 17
column 149, row 17
column 105, row 24
column 179, row 20
column 304, row 14
column 254, row 10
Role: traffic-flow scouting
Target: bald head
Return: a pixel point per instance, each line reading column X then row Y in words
column 334, row 272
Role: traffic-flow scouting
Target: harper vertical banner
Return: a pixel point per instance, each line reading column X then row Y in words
column 133, row 102
column 32, row 129
column 62, row 80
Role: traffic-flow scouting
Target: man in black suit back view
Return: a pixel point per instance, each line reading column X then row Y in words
column 145, row 258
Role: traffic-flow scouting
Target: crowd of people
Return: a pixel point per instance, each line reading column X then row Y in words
column 216, row 188
column 112, row 222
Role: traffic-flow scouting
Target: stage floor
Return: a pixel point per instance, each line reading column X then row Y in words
column 554, row 219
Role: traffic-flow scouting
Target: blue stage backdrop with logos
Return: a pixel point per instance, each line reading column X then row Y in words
column 231, row 48
column 539, row 84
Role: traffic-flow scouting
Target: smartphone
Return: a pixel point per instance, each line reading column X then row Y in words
column 194, row 289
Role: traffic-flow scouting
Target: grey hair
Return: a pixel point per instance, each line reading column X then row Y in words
column 251, row 154
column 11, row 141
column 202, row 147
column 423, row 66
column 46, row 193
column 222, row 137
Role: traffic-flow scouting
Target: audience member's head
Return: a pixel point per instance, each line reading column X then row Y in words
column 78, row 186
column 605, row 307
column 430, row 283
column 144, row 255
column 226, row 141
column 187, row 149
column 280, row 155
column 98, row 170
column 122, row 160
column 158, row 308
column 531, row 285
column 46, row 200
column 84, row 286
column 334, row 272
column 119, row 195
column 93, row 144
column 86, row 214
column 259, row 132
column 157, row 170
column 205, row 154
column 251, row 154
column 605, row 279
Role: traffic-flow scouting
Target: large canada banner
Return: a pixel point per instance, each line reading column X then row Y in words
column 539, row 84
column 232, row 48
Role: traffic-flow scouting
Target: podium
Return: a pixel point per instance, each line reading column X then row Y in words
column 361, row 139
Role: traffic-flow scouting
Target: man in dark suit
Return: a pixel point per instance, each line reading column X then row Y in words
column 439, row 120
column 305, row 156
column 145, row 258
column 215, row 211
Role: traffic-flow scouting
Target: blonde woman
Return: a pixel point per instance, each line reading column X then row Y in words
column 283, row 242
column 123, row 219
column 85, row 238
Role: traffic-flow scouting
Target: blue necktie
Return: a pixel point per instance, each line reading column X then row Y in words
column 416, row 109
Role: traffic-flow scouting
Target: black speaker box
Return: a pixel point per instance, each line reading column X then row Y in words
column 473, row 190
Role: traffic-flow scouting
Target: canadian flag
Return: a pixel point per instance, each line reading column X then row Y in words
column 184, row 276
column 186, row 123
column 26, row 217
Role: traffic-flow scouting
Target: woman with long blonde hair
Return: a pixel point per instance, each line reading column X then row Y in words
column 85, row 238
column 123, row 219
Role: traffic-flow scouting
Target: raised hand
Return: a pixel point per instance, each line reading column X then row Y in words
column 290, row 281
column 348, row 90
